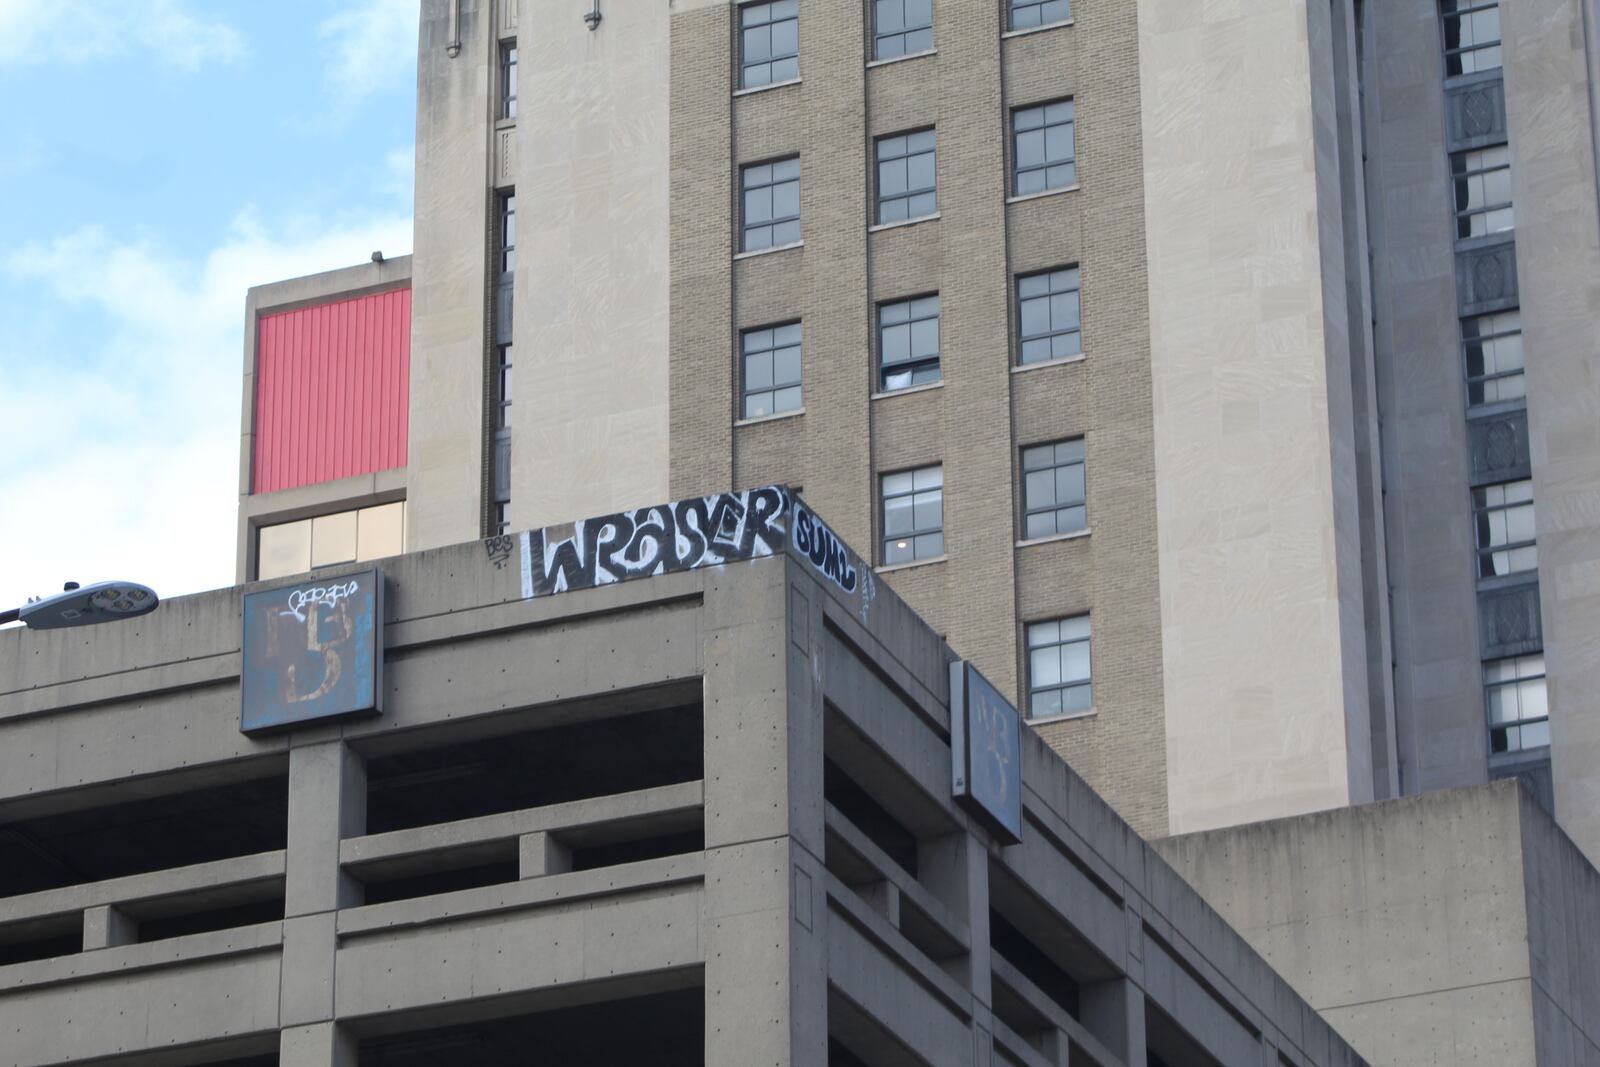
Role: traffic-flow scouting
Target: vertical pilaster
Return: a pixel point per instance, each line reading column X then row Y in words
column 956, row 868
column 1113, row 1011
column 318, row 1045
column 765, row 973
column 327, row 802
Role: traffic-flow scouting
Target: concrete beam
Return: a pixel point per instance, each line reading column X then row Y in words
column 327, row 803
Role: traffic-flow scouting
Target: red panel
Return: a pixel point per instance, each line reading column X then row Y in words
column 332, row 390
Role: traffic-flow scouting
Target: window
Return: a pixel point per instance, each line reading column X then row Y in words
column 769, row 43
column 1492, row 345
column 502, row 391
column 771, row 370
column 1047, row 316
column 1471, row 36
column 501, row 518
column 1481, row 184
column 908, row 343
column 901, row 27
column 1058, row 667
column 1502, row 517
column 508, row 232
column 906, row 176
column 1044, row 154
column 913, row 515
column 342, row 537
column 771, row 204
column 1026, row 14
column 1052, row 489
column 508, row 80
column 1514, row 695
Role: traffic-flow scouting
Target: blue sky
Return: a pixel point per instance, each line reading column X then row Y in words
column 157, row 158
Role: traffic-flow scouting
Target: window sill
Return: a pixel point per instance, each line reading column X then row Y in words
column 1031, row 30
column 890, row 568
column 1066, row 716
column 897, row 224
column 902, row 59
column 1062, row 362
column 1496, row 407
column 908, row 389
column 768, row 251
column 1071, row 535
column 1023, row 198
column 763, row 88
column 756, row 420
column 505, row 124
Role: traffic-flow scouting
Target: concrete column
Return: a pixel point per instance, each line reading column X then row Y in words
column 956, row 869
column 539, row 854
column 1113, row 1011
column 318, row 1045
column 106, row 927
column 883, row 898
column 766, row 960
column 327, row 802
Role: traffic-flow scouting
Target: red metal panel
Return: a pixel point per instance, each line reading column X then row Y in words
column 332, row 390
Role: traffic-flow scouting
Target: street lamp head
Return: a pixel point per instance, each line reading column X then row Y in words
column 74, row 606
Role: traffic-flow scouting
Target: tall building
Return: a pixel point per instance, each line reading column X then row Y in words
column 1169, row 357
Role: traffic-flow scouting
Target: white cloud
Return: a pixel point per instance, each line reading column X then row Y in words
column 122, row 456
column 34, row 31
column 374, row 46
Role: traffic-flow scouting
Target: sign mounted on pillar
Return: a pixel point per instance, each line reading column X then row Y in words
column 985, row 752
column 312, row 652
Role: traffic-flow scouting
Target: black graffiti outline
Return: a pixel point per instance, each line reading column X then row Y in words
column 829, row 554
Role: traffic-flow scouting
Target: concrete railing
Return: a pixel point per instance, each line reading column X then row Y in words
column 891, row 890
column 541, row 839
column 110, row 910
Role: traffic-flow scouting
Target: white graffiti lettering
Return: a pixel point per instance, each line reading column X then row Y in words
column 327, row 595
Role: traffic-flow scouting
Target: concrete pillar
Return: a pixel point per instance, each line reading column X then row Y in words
column 318, row 1045
column 107, row 927
column 956, row 869
column 765, row 907
column 539, row 854
column 883, row 898
column 327, row 802
column 1113, row 1011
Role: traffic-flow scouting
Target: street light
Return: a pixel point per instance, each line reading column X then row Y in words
column 74, row 606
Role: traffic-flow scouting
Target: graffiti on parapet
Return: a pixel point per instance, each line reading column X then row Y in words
column 685, row 535
column 831, row 557
column 499, row 550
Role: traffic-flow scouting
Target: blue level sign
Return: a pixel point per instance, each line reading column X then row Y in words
column 986, row 752
column 312, row 652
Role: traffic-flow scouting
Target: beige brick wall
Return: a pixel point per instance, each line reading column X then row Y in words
column 974, row 422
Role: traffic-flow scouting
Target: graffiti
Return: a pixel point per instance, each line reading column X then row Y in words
column 311, row 652
column 828, row 554
column 685, row 535
column 326, row 595
column 499, row 550
column 814, row 542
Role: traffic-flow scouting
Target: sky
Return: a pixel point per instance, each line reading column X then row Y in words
column 158, row 158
